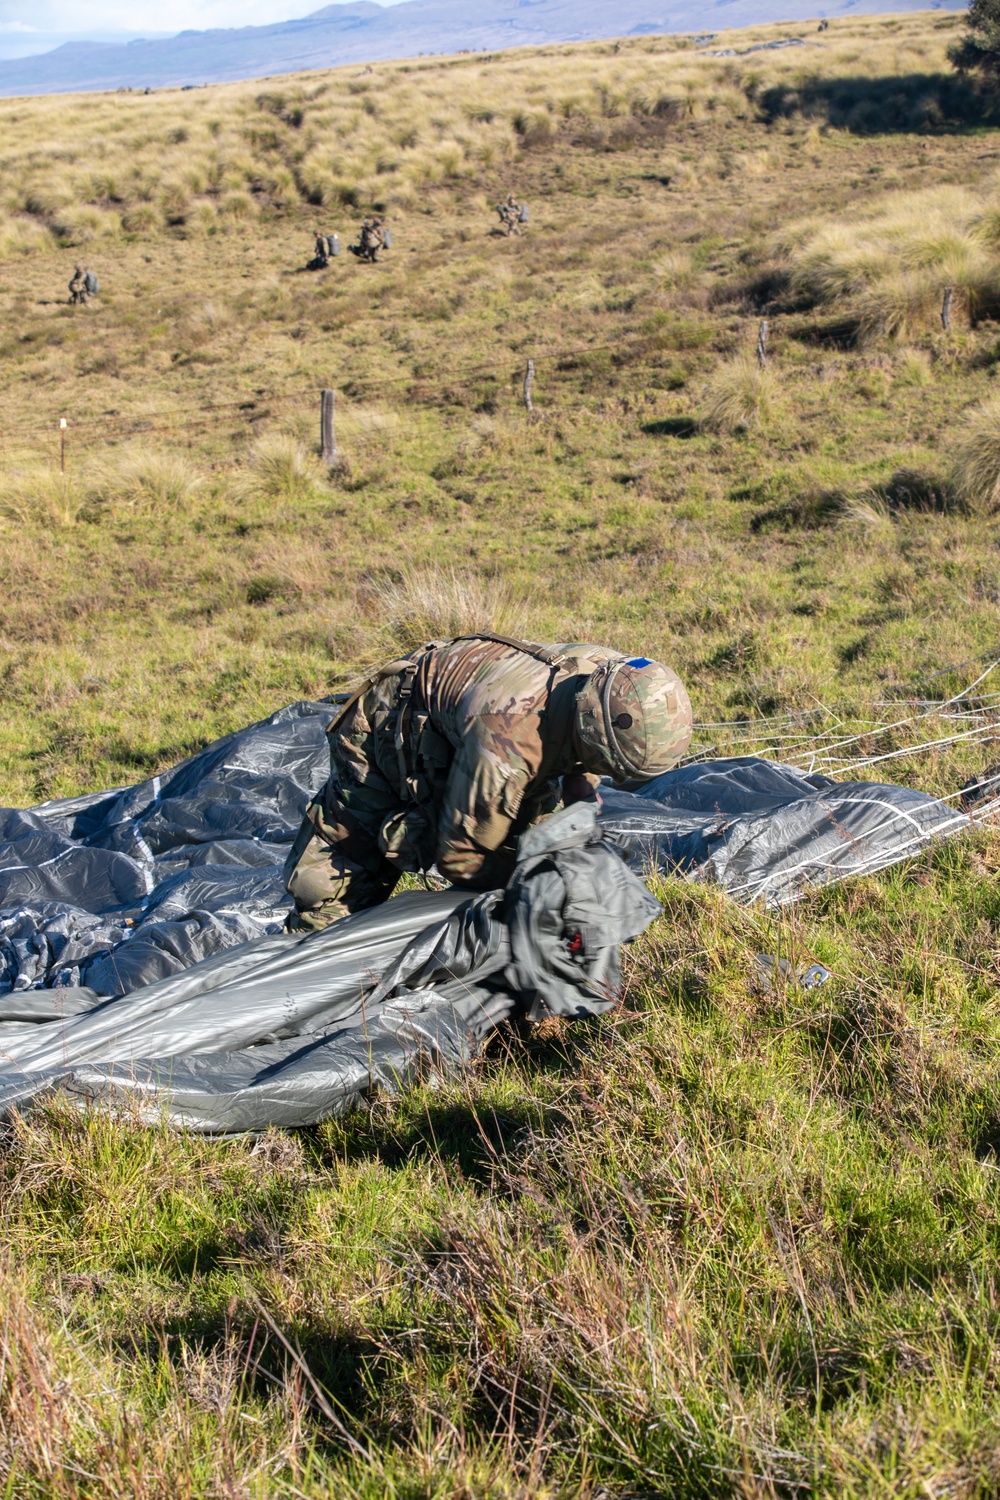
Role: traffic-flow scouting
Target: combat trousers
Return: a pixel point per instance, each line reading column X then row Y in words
column 335, row 867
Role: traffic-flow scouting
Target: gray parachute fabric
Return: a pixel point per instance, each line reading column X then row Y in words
column 287, row 1030
column 142, row 956
column 116, row 890
column 766, row 831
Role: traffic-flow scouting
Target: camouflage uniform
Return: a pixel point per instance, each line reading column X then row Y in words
column 446, row 756
column 372, row 239
column 78, row 285
column 510, row 214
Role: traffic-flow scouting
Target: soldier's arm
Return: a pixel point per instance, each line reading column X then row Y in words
column 580, row 786
column 497, row 760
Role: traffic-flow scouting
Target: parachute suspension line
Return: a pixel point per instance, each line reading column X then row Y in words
column 786, row 734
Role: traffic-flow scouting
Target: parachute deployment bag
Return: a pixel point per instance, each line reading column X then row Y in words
column 522, row 217
column 386, row 239
column 92, row 284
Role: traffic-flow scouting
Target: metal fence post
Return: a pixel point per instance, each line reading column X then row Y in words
column 762, row 344
column 949, row 292
column 327, row 431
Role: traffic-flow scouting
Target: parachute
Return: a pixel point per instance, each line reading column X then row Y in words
column 142, row 951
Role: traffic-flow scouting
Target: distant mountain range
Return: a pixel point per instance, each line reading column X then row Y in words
column 363, row 32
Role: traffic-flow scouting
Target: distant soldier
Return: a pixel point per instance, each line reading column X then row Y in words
column 319, row 253
column 78, row 286
column 372, row 238
column 511, row 215
column 446, row 756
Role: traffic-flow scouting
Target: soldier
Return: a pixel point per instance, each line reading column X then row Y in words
column 445, row 757
column 319, row 253
column 510, row 215
column 78, row 285
column 372, row 239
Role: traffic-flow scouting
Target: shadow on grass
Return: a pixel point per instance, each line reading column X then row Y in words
column 679, row 427
column 919, row 103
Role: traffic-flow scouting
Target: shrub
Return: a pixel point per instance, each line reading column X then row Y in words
column 979, row 50
column 738, row 396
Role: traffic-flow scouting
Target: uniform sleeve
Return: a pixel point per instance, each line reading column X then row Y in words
column 499, row 757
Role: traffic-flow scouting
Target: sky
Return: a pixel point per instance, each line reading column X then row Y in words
column 28, row 26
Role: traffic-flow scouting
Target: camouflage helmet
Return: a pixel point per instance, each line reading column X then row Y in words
column 633, row 719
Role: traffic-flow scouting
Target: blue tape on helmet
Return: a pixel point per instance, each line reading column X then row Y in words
column 637, row 661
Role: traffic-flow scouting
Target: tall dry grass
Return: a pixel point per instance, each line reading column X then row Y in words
column 426, row 604
column 892, row 261
column 215, row 160
column 739, row 395
column 976, row 458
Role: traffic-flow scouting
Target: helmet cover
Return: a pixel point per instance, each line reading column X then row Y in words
column 633, row 719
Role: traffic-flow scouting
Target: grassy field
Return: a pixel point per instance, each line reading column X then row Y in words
column 728, row 1241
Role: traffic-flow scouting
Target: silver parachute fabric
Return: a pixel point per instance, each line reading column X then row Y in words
column 142, row 957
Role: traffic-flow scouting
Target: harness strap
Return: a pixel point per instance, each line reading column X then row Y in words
column 547, row 654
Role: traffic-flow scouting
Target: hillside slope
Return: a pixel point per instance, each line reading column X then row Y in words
column 739, row 1238
column 365, row 32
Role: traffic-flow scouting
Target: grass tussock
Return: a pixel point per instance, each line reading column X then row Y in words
column 144, row 477
column 220, row 161
column 280, row 468
column 426, row 604
column 38, row 496
column 891, row 263
column 976, row 458
column 739, row 396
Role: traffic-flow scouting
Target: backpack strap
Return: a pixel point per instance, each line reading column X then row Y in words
column 550, row 655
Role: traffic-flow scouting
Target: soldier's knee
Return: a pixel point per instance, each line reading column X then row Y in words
column 316, row 918
column 314, row 881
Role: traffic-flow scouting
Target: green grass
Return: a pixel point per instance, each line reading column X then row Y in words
column 729, row 1240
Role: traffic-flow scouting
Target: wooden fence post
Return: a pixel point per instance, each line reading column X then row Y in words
column 949, row 292
column 327, row 432
column 529, row 380
column 762, row 344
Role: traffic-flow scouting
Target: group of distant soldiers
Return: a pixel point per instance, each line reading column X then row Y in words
column 83, row 285
column 374, row 235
